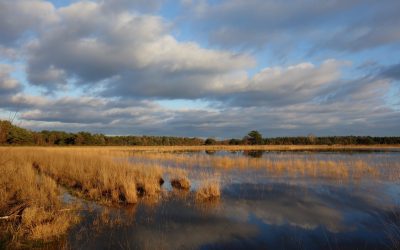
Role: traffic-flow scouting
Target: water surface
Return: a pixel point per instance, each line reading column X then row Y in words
column 257, row 210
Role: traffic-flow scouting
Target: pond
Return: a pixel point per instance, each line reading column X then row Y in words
column 260, row 207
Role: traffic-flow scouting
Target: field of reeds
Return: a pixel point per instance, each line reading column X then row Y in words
column 31, row 203
column 259, row 147
column 280, row 165
column 31, row 206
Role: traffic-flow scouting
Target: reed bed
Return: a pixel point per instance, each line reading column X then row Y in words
column 97, row 175
column 279, row 166
column 208, row 191
column 30, row 206
column 260, row 147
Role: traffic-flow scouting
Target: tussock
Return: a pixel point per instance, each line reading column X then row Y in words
column 208, row 191
column 180, row 183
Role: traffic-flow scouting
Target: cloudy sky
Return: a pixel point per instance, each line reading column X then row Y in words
column 215, row 68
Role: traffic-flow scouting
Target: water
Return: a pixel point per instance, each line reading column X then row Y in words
column 256, row 211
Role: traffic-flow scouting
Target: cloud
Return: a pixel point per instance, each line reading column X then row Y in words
column 19, row 18
column 392, row 71
column 133, row 53
column 86, row 110
column 298, row 83
column 340, row 25
column 108, row 63
column 357, row 113
column 376, row 29
column 7, row 83
column 136, row 5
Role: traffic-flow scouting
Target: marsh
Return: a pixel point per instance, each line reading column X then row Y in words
column 235, row 199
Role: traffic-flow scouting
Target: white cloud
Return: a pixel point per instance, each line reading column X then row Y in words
column 125, row 59
column 93, row 45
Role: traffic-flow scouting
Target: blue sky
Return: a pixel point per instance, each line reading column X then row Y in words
column 202, row 68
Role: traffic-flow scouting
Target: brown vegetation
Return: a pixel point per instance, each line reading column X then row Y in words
column 258, row 147
column 96, row 175
column 30, row 202
column 181, row 183
column 208, row 191
column 30, row 206
column 279, row 165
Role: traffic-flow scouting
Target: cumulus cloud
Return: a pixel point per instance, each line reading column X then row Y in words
column 284, row 86
column 108, row 62
column 133, row 52
column 21, row 17
column 357, row 113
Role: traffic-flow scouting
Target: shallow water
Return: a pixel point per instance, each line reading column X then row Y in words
column 256, row 211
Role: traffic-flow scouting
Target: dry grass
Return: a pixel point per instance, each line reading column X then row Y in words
column 180, row 183
column 279, row 165
column 30, row 202
column 258, row 147
column 30, row 206
column 97, row 175
column 178, row 178
column 208, row 191
column 29, row 176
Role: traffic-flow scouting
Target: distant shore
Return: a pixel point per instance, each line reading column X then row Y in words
column 232, row 147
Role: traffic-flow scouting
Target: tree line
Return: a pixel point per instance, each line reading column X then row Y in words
column 15, row 135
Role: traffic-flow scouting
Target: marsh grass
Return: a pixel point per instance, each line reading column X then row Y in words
column 98, row 176
column 278, row 166
column 211, row 148
column 30, row 206
column 30, row 197
column 180, row 183
column 208, row 191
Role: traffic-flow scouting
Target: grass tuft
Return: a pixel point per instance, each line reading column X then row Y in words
column 208, row 191
column 180, row 183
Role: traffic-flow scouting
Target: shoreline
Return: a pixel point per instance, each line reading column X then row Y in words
column 226, row 147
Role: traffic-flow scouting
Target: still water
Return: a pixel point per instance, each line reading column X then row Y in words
column 256, row 211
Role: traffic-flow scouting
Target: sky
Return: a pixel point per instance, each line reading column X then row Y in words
column 205, row 68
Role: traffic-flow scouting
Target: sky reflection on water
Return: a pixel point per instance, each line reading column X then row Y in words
column 272, row 213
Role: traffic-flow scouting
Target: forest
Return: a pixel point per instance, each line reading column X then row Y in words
column 14, row 135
